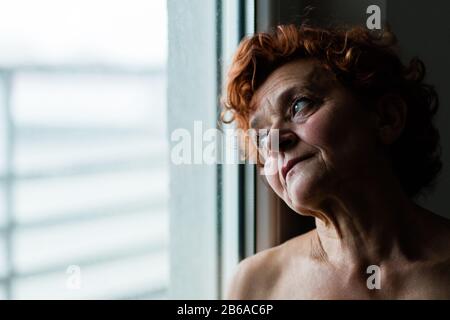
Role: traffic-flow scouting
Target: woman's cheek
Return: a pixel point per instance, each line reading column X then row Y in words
column 321, row 129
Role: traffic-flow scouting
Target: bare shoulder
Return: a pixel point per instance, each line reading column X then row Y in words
column 438, row 235
column 440, row 241
column 257, row 276
column 432, row 273
column 434, row 279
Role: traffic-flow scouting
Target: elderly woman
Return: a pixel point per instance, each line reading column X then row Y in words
column 356, row 146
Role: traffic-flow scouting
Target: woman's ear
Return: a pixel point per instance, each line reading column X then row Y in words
column 391, row 111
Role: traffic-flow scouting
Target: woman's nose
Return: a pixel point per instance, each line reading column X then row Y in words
column 283, row 140
column 288, row 140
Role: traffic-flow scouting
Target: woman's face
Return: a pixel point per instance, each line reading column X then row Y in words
column 327, row 139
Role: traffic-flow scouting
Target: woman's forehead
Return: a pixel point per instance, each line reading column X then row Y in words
column 299, row 71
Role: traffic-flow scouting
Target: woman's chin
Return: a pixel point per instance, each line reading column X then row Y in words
column 302, row 192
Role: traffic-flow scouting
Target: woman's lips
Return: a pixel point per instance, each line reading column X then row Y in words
column 291, row 163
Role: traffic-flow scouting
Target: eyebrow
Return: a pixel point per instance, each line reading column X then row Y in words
column 289, row 93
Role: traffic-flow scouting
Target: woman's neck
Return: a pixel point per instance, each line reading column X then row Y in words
column 364, row 225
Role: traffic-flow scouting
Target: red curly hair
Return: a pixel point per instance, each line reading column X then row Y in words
column 364, row 61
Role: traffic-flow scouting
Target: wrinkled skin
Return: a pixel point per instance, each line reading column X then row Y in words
column 363, row 217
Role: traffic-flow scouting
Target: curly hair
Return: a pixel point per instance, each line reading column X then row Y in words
column 365, row 62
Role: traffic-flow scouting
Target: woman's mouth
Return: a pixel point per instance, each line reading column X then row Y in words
column 291, row 163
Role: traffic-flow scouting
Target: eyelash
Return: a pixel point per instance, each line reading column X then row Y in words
column 310, row 103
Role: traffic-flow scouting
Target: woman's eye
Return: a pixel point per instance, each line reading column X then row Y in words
column 301, row 104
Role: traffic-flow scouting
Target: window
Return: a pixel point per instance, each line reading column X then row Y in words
column 84, row 167
column 91, row 205
column 205, row 204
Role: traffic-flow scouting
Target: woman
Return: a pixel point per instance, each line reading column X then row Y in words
column 356, row 146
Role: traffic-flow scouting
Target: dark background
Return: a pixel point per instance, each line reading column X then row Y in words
column 423, row 30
